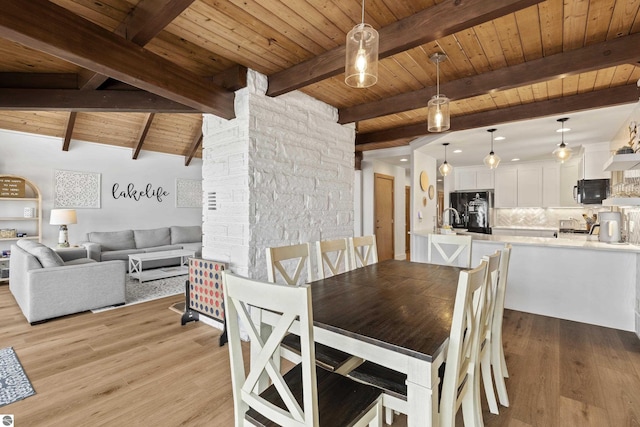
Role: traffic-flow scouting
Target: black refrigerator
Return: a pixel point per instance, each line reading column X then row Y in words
column 475, row 209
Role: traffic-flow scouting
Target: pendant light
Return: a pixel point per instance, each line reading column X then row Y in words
column 361, row 69
column 492, row 161
column 438, row 106
column 563, row 152
column 445, row 168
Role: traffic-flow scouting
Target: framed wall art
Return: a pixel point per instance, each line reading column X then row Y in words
column 74, row 189
column 188, row 193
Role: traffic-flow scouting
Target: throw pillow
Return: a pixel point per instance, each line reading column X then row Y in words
column 45, row 255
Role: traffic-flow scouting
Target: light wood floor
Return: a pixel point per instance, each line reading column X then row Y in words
column 137, row 366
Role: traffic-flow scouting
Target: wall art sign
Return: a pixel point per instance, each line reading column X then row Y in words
column 11, row 187
column 130, row 191
column 73, row 189
column 188, row 193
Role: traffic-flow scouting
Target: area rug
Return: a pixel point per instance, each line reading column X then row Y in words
column 137, row 292
column 14, row 384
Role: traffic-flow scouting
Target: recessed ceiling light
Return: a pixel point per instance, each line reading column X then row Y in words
column 404, row 160
column 563, row 130
column 515, row 159
column 457, row 151
column 499, row 138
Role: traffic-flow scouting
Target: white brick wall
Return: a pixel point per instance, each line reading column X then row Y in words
column 283, row 173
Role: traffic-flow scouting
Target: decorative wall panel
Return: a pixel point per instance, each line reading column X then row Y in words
column 73, row 189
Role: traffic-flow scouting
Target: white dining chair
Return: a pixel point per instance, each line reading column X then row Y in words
column 493, row 266
column 305, row 395
column 286, row 264
column 453, row 249
column 363, row 250
column 332, row 257
column 460, row 386
column 498, row 362
column 281, row 258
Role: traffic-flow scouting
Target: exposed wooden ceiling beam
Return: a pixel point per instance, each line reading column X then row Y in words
column 39, row 80
column 143, row 135
column 118, row 58
column 586, row 101
column 438, row 21
column 84, row 100
column 147, row 19
column 622, row 50
column 71, row 122
column 193, row 148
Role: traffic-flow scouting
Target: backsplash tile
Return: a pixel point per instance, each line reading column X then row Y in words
column 541, row 217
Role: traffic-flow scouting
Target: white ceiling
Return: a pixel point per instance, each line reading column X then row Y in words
column 530, row 140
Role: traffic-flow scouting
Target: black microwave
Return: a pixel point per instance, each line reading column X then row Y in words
column 591, row 191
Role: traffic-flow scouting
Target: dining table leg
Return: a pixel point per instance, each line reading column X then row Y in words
column 422, row 394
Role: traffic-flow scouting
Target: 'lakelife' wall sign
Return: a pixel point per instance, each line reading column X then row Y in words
column 131, row 192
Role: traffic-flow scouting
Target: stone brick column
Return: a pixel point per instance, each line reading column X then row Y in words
column 281, row 172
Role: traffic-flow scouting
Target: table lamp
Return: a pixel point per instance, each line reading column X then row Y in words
column 63, row 217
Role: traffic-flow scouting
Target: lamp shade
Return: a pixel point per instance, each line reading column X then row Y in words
column 63, row 217
column 361, row 68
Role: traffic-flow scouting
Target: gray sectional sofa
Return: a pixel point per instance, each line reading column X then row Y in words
column 118, row 245
column 46, row 286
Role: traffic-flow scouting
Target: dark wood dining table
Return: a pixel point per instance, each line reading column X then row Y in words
column 393, row 313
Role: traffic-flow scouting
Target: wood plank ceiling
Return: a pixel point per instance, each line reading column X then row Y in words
column 138, row 73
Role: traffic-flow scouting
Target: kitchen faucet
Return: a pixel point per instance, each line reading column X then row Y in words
column 455, row 213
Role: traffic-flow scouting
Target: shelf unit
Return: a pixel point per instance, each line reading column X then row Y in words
column 13, row 207
column 622, row 162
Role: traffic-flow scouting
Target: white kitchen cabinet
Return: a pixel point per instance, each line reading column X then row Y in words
column 592, row 160
column 569, row 176
column 506, row 187
column 550, row 185
column 473, row 178
column 529, row 186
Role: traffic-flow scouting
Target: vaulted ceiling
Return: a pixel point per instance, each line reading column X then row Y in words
column 138, row 73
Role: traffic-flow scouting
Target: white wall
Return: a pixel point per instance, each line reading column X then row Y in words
column 37, row 157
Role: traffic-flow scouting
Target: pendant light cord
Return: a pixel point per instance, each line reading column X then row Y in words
column 363, row 11
column 438, row 79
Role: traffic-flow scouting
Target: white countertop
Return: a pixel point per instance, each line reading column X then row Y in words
column 574, row 242
column 518, row 227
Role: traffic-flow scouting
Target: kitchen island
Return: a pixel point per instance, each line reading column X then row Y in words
column 567, row 278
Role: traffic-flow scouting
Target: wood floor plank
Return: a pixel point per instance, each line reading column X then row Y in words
column 575, row 413
column 538, row 390
column 579, row 380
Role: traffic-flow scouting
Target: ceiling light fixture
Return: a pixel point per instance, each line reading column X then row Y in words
column 445, row 168
column 492, row 160
column 563, row 152
column 361, row 69
column 438, row 106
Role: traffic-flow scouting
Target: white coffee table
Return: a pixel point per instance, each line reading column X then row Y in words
column 136, row 260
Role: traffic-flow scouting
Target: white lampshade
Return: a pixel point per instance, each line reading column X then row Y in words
column 63, row 217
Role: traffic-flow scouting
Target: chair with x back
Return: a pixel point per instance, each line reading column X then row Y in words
column 486, row 336
column 460, row 386
column 449, row 249
column 297, row 258
column 498, row 362
column 282, row 257
column 305, row 395
column 363, row 250
column 333, row 257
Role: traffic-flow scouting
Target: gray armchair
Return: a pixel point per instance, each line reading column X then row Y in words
column 45, row 286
